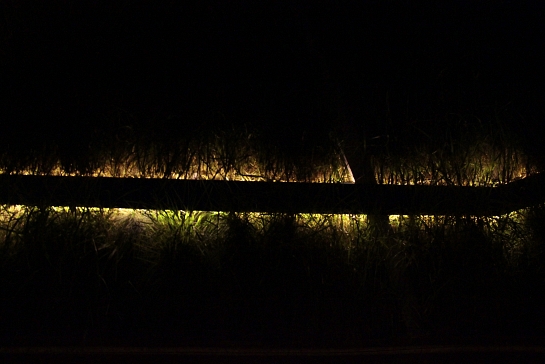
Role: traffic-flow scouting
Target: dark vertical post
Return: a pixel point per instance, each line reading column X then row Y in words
column 361, row 165
column 351, row 133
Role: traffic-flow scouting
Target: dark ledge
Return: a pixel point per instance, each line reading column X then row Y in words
column 288, row 197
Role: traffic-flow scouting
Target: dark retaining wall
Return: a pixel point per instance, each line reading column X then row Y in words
column 288, row 197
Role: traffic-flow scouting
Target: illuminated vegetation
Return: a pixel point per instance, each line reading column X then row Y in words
column 459, row 156
column 185, row 277
column 223, row 156
column 114, row 276
column 270, row 94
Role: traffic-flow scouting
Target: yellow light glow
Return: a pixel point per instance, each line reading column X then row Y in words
column 481, row 164
column 213, row 168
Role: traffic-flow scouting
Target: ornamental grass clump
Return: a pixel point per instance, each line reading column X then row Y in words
column 464, row 151
column 236, row 153
column 65, row 268
column 97, row 276
column 461, row 154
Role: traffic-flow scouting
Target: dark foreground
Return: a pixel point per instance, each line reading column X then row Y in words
column 82, row 279
column 404, row 354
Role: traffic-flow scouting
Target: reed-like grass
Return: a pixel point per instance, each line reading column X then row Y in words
column 471, row 160
column 463, row 153
column 221, row 154
column 188, row 277
column 174, row 277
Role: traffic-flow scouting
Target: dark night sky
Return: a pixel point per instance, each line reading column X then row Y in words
column 68, row 65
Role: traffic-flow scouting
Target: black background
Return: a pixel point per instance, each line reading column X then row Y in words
column 71, row 67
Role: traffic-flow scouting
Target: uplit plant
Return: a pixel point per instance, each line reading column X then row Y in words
column 461, row 156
